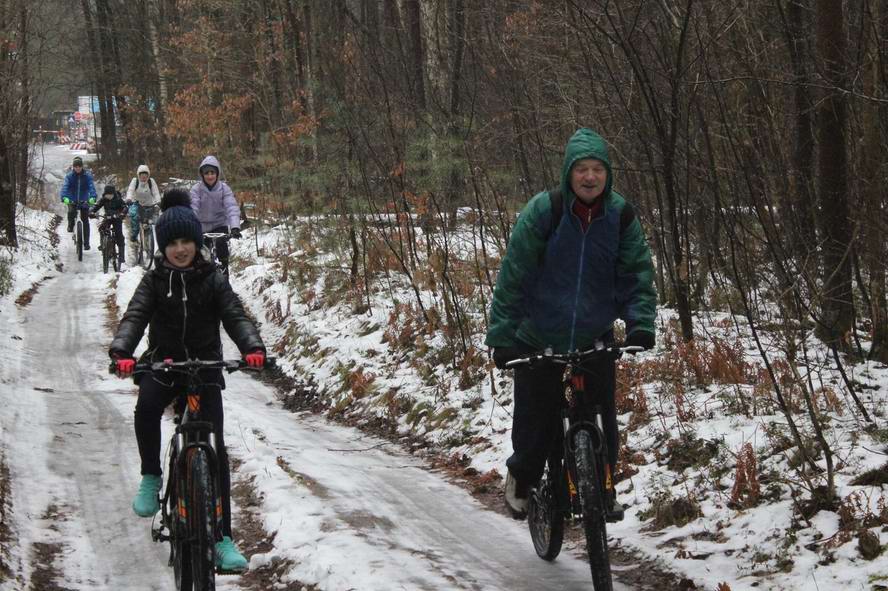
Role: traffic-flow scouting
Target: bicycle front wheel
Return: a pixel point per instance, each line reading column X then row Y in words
column 78, row 239
column 106, row 255
column 147, row 255
column 202, row 520
column 544, row 516
column 592, row 501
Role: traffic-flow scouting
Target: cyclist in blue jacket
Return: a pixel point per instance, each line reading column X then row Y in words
column 78, row 193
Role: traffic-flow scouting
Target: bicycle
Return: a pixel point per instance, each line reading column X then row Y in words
column 108, row 240
column 210, row 239
column 191, row 505
column 145, row 235
column 78, row 229
column 577, row 482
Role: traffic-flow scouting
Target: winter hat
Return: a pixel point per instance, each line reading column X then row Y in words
column 176, row 222
column 78, row 161
column 109, row 190
column 174, row 197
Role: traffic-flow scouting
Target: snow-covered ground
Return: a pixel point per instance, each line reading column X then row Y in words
column 345, row 510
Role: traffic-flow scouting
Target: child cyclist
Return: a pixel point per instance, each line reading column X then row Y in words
column 115, row 209
column 181, row 302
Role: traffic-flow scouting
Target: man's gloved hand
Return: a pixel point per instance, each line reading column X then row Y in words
column 503, row 355
column 235, row 233
column 66, row 201
column 125, row 366
column 91, row 201
column 640, row 338
column 255, row 358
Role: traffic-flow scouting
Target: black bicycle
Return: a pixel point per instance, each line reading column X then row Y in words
column 211, row 239
column 145, row 235
column 577, row 483
column 108, row 240
column 191, row 506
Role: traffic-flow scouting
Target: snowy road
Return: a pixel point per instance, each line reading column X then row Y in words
column 346, row 510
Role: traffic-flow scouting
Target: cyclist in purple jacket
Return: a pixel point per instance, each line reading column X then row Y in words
column 214, row 203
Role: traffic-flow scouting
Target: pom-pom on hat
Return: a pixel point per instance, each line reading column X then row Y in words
column 177, row 221
column 174, row 198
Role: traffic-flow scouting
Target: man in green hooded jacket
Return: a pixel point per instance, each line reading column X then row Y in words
column 563, row 282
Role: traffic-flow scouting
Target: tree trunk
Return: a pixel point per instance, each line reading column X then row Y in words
column 417, row 70
column 835, row 309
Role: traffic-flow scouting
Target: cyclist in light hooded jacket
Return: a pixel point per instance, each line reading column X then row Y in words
column 142, row 192
column 214, row 203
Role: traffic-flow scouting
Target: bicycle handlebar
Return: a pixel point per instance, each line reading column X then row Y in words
column 217, row 235
column 193, row 365
column 600, row 350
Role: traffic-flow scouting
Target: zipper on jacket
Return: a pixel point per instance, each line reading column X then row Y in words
column 573, row 323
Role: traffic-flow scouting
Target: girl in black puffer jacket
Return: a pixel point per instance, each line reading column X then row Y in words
column 182, row 302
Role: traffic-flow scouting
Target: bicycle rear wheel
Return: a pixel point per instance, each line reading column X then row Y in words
column 544, row 517
column 592, row 500
column 78, row 239
column 201, row 518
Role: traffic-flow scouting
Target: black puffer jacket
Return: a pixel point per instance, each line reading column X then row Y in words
column 184, row 326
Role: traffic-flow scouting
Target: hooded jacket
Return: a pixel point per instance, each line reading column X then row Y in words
column 214, row 207
column 563, row 287
column 144, row 194
column 182, row 311
column 78, row 187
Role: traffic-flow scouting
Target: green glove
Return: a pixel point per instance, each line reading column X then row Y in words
column 66, row 201
column 92, row 201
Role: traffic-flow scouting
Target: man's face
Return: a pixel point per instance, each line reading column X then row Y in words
column 78, row 168
column 588, row 178
column 180, row 252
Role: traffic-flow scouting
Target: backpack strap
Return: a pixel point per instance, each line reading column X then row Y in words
column 557, row 204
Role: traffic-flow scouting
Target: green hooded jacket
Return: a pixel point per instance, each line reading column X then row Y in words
column 563, row 287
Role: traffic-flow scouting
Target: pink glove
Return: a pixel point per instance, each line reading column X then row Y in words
column 255, row 359
column 125, row 367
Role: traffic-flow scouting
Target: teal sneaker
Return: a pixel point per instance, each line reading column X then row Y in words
column 228, row 557
column 146, row 503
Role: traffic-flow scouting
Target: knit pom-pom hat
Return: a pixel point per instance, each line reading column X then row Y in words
column 177, row 222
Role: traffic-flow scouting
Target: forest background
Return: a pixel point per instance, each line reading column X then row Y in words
column 750, row 136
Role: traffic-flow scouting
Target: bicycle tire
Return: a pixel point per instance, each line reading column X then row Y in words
column 592, row 501
column 78, row 239
column 103, row 244
column 180, row 549
column 545, row 518
column 202, row 522
column 112, row 255
column 146, row 244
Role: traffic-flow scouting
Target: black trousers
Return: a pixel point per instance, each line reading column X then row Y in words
column 117, row 224
column 84, row 217
column 536, row 423
column 154, row 397
column 221, row 248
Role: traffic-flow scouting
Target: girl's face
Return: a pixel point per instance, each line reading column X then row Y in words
column 209, row 176
column 180, row 252
column 143, row 176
